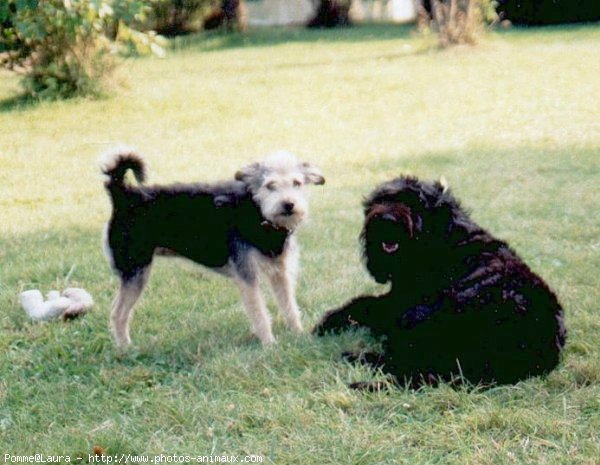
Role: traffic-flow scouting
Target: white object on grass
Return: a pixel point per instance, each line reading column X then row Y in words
column 81, row 301
column 74, row 301
column 35, row 307
column 52, row 295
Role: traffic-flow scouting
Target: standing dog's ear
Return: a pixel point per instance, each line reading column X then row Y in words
column 250, row 173
column 312, row 174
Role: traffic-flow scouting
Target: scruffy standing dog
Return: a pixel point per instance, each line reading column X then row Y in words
column 239, row 228
column 462, row 304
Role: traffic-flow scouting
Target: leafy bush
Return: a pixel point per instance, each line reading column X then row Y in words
column 64, row 47
column 538, row 12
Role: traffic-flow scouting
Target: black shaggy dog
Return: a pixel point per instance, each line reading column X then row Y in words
column 462, row 305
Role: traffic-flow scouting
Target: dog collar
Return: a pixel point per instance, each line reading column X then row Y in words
column 271, row 226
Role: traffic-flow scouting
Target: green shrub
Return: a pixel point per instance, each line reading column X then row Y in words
column 65, row 48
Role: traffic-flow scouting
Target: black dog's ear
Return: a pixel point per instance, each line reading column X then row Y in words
column 312, row 174
column 249, row 173
column 441, row 220
column 372, row 260
column 371, row 254
column 417, row 224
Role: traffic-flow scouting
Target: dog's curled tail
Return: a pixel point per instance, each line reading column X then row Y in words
column 115, row 163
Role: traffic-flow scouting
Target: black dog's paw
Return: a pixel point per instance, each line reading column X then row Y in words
column 335, row 321
column 329, row 324
column 350, row 357
column 373, row 359
column 369, row 386
column 318, row 330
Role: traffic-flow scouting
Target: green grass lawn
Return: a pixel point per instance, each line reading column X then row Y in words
column 513, row 124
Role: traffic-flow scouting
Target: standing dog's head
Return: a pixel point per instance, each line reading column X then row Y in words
column 277, row 186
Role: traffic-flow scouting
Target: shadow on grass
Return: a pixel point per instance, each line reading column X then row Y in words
column 212, row 41
column 565, row 32
column 23, row 102
column 18, row 102
column 272, row 36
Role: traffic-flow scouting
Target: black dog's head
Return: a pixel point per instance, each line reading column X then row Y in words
column 406, row 223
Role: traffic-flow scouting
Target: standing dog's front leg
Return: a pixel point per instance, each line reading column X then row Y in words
column 283, row 282
column 244, row 270
column 284, row 289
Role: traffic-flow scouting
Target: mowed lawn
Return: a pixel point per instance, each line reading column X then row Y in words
column 513, row 125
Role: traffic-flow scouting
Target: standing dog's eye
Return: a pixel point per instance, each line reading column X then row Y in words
column 270, row 186
column 297, row 183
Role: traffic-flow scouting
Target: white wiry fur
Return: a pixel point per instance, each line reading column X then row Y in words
column 279, row 180
column 278, row 187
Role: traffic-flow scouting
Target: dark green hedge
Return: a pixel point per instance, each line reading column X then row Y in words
column 541, row 12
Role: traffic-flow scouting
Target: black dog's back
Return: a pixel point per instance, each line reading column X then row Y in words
column 206, row 223
column 501, row 324
column 179, row 218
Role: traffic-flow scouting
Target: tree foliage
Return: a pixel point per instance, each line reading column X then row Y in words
column 67, row 47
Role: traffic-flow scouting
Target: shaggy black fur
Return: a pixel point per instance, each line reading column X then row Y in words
column 209, row 224
column 462, row 305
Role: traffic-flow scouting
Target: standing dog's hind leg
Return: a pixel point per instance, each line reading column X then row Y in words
column 129, row 292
